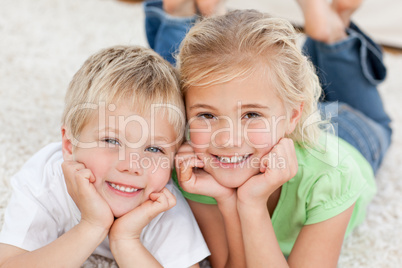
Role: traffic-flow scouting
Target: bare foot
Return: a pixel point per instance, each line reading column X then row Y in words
column 179, row 8
column 345, row 9
column 211, row 7
column 184, row 8
column 321, row 21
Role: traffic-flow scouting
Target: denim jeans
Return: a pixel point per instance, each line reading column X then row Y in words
column 349, row 71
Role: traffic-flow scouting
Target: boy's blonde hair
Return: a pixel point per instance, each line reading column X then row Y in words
column 129, row 73
column 230, row 46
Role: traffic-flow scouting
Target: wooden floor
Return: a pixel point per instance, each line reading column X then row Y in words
column 393, row 50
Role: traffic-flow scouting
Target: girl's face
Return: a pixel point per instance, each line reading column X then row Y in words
column 234, row 124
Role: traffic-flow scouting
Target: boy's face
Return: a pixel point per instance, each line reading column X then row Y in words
column 130, row 155
column 234, row 124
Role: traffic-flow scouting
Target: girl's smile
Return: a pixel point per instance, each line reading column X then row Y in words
column 234, row 124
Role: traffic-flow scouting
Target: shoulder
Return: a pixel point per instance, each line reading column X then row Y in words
column 332, row 155
column 34, row 172
column 332, row 177
column 39, row 203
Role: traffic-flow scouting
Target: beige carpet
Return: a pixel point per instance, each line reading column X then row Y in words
column 42, row 44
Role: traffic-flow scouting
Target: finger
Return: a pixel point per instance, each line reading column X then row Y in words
column 73, row 165
column 160, row 203
column 185, row 148
column 180, row 158
column 85, row 175
column 170, row 197
column 186, row 168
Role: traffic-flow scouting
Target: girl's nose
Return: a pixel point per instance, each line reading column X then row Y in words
column 228, row 134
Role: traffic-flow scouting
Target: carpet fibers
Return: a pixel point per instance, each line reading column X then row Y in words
column 43, row 43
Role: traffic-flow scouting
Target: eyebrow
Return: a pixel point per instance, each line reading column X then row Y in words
column 200, row 105
column 160, row 138
column 245, row 106
column 255, row 106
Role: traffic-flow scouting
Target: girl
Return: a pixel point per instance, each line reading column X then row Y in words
column 260, row 175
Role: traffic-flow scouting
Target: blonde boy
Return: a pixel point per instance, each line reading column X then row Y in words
column 105, row 188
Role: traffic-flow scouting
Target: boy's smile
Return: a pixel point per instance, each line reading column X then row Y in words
column 130, row 155
column 234, row 124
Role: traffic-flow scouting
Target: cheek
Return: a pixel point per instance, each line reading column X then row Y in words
column 98, row 165
column 159, row 174
column 199, row 140
column 259, row 139
column 264, row 135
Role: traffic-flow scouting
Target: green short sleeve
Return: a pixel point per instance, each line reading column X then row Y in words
column 193, row 197
column 333, row 193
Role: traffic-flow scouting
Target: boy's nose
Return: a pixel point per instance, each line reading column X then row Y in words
column 131, row 163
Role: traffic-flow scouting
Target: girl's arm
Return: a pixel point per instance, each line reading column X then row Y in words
column 319, row 245
column 261, row 246
column 219, row 224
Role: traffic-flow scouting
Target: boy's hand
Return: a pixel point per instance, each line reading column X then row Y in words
column 130, row 225
column 194, row 179
column 277, row 167
column 94, row 209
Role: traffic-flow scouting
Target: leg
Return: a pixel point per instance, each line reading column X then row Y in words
column 165, row 32
column 349, row 65
column 367, row 136
column 350, row 71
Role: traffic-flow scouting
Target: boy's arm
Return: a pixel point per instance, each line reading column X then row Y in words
column 131, row 253
column 75, row 246
column 124, row 236
column 71, row 249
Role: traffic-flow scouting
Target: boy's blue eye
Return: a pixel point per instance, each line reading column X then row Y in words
column 112, row 141
column 251, row 115
column 153, row 149
column 206, row 116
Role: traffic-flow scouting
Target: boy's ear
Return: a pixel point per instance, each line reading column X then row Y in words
column 294, row 119
column 66, row 145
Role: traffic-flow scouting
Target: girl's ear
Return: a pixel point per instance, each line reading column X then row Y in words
column 66, row 145
column 294, row 119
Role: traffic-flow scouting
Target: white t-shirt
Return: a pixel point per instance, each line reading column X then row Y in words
column 41, row 210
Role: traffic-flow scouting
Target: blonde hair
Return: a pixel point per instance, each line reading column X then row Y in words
column 220, row 49
column 129, row 73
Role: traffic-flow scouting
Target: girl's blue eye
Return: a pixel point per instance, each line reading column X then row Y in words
column 251, row 115
column 206, row 116
column 154, row 150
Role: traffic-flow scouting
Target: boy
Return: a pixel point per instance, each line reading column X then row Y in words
column 121, row 127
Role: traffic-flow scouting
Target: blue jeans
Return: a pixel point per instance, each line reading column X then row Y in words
column 349, row 71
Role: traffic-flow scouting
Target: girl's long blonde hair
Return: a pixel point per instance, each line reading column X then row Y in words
column 220, row 49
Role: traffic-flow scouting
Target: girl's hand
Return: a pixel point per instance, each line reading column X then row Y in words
column 277, row 167
column 94, row 209
column 129, row 226
column 194, row 179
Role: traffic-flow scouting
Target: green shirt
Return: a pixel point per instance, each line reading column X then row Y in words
column 329, row 180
